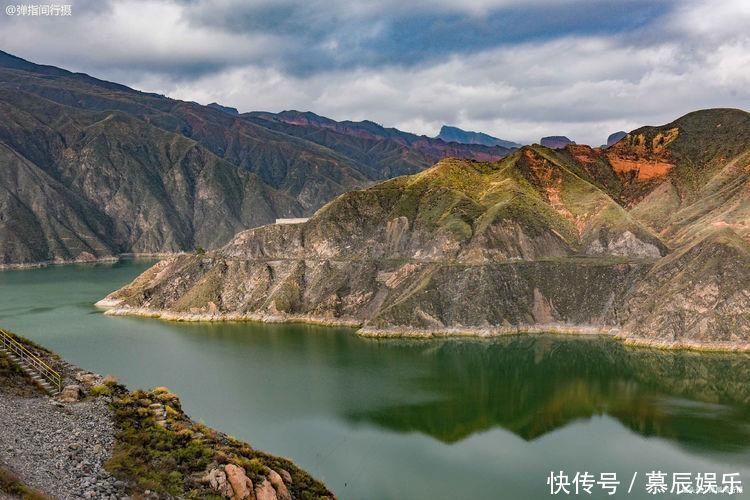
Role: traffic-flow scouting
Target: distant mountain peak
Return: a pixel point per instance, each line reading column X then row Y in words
column 615, row 137
column 555, row 141
column 449, row 133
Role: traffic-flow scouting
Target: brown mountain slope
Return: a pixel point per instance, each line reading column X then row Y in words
column 700, row 294
column 91, row 169
column 383, row 152
column 541, row 240
column 463, row 245
column 82, row 185
column 679, row 178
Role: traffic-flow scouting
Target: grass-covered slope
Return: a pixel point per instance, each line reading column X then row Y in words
column 463, row 245
column 176, row 455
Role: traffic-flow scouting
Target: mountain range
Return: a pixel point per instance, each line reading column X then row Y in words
column 647, row 240
column 92, row 169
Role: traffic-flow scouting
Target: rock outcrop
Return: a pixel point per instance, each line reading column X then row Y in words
column 217, row 481
column 71, row 393
column 242, row 486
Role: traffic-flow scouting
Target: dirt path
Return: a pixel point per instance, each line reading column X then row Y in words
column 59, row 448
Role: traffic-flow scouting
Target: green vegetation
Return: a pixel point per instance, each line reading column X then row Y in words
column 8, row 369
column 100, row 390
column 171, row 457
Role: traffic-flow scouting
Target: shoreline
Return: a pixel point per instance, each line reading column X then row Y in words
column 98, row 260
column 558, row 329
column 113, row 309
column 136, row 443
column 362, row 330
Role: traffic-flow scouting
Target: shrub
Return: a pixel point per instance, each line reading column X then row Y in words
column 100, row 390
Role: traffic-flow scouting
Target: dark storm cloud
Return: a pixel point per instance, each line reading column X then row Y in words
column 323, row 35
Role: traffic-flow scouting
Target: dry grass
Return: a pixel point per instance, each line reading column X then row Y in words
column 10, row 484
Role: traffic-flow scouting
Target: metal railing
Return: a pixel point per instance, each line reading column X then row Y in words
column 30, row 359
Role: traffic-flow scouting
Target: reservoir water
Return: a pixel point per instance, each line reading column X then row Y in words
column 392, row 419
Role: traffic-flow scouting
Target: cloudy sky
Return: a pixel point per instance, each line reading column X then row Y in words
column 517, row 69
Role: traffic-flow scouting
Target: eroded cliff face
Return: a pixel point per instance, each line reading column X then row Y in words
column 486, row 248
column 543, row 240
column 698, row 295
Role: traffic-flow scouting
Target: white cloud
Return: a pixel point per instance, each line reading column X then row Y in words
column 581, row 86
column 584, row 88
column 131, row 35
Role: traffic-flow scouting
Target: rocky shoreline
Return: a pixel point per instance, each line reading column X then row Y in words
column 57, row 445
column 97, row 439
column 92, row 260
column 113, row 308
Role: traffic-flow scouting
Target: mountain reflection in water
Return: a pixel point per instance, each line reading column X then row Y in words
column 534, row 385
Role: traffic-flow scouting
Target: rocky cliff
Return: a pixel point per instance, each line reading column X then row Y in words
column 563, row 240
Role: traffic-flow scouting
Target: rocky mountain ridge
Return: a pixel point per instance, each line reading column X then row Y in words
column 93, row 169
column 386, row 152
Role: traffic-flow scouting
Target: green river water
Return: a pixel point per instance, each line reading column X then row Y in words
column 392, row 419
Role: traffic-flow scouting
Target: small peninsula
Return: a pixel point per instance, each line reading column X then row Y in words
column 645, row 240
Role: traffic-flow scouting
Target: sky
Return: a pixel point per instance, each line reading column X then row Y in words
column 515, row 69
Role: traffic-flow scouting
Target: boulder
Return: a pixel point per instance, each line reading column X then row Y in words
column 71, row 393
column 287, row 477
column 241, row 485
column 217, row 480
column 282, row 493
column 87, row 378
column 265, row 491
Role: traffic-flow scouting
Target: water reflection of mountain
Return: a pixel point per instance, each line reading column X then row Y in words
column 534, row 385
